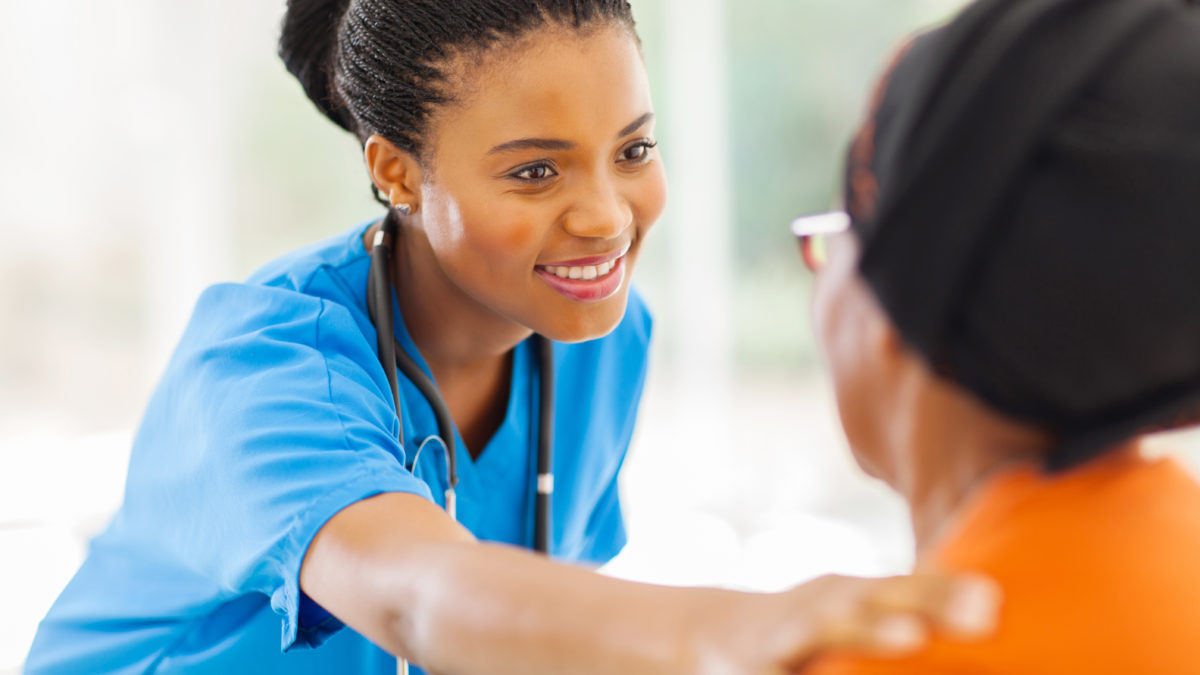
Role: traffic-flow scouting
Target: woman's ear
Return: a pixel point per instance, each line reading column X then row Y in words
column 890, row 353
column 906, row 372
column 396, row 173
column 891, row 345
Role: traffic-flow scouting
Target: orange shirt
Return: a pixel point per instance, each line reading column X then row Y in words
column 1100, row 569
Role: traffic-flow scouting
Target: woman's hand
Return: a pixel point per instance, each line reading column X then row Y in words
column 780, row 633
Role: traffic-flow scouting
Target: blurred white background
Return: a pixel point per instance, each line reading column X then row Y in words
column 151, row 149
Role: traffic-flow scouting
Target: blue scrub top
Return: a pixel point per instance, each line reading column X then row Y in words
column 273, row 415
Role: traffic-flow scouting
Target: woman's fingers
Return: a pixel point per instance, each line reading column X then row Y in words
column 894, row 616
column 965, row 606
column 890, row 617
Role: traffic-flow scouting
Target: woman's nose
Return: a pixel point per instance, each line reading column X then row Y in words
column 600, row 211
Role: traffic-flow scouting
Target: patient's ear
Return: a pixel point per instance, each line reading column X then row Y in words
column 881, row 335
column 890, row 343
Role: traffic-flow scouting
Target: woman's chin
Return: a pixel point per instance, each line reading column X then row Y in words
column 868, row 462
column 587, row 321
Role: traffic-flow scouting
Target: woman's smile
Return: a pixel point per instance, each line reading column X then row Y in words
column 586, row 279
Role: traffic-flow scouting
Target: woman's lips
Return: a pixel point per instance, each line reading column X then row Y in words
column 586, row 283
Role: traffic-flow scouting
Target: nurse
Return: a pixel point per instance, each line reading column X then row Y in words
column 273, row 519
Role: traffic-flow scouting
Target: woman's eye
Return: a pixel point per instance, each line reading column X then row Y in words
column 638, row 152
column 535, row 173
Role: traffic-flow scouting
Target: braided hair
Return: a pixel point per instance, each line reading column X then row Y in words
column 379, row 66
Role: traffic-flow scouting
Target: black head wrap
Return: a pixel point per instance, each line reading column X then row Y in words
column 1027, row 198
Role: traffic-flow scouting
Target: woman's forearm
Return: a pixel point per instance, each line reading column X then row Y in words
column 400, row 572
column 478, row 608
column 397, row 570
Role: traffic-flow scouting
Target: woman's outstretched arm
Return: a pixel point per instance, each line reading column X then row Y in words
column 401, row 572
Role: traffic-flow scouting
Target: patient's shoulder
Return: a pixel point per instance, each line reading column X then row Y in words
column 1098, row 572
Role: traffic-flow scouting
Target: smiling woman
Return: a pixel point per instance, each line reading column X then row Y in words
column 555, row 169
column 278, row 491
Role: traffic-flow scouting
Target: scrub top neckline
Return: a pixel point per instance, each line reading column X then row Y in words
column 506, row 450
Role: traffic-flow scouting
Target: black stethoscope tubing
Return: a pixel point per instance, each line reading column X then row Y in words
column 392, row 357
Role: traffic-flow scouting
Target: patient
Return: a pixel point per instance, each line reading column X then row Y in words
column 1014, row 305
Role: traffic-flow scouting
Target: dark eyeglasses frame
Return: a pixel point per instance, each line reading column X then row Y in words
column 810, row 230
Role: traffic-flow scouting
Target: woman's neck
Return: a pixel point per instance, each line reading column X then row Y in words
column 947, row 449
column 467, row 347
column 935, row 499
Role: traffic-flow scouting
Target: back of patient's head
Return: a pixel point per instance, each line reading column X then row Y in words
column 1027, row 200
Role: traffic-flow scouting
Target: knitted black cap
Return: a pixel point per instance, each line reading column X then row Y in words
column 1027, row 196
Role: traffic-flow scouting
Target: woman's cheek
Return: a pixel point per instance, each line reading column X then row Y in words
column 486, row 237
column 652, row 197
column 443, row 221
column 517, row 235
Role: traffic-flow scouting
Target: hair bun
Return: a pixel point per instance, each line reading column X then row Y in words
column 306, row 45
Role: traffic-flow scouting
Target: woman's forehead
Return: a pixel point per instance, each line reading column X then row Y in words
column 555, row 83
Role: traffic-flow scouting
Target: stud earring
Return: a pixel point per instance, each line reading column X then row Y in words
column 403, row 209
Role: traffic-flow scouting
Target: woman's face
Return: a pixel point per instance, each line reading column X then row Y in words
column 542, row 180
column 852, row 331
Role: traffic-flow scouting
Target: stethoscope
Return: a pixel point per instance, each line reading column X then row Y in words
column 393, row 356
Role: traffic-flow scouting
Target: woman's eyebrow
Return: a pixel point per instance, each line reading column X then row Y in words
column 532, row 143
column 636, row 124
column 557, row 144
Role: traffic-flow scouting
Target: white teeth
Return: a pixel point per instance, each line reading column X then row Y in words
column 589, row 273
